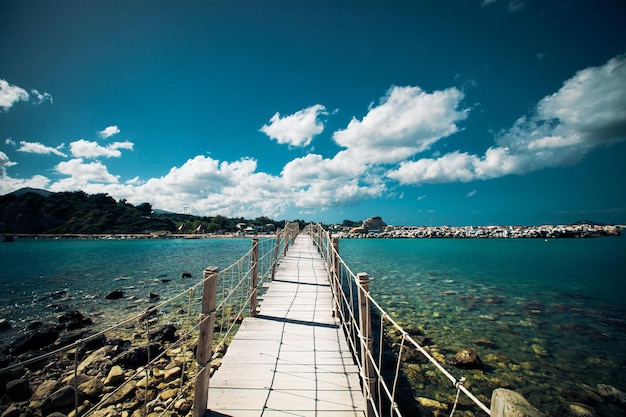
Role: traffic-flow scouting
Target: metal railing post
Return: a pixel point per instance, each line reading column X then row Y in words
column 367, row 343
column 205, row 340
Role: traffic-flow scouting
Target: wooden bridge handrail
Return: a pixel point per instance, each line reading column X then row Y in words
column 328, row 247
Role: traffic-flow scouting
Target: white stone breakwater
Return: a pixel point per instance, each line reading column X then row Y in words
column 488, row 232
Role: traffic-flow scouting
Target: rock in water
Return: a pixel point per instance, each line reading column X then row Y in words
column 611, row 393
column 41, row 338
column 4, row 325
column 581, row 410
column 466, row 359
column 115, row 295
column 431, row 404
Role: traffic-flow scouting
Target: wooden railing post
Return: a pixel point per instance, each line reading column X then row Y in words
column 286, row 237
column 336, row 277
column 205, row 340
column 276, row 249
column 367, row 343
column 329, row 258
column 255, row 276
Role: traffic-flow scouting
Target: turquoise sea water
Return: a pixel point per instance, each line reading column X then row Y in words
column 86, row 270
column 554, row 311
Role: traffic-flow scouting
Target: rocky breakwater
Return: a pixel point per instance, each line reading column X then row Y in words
column 81, row 370
column 375, row 227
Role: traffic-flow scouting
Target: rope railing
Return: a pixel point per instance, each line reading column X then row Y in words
column 382, row 365
column 151, row 361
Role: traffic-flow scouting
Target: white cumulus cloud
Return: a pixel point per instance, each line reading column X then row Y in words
column 318, row 182
column 87, row 149
column 11, row 94
column 296, row 129
column 207, row 185
column 39, row 148
column 407, row 121
column 5, row 162
column 588, row 111
column 81, row 173
column 109, row 131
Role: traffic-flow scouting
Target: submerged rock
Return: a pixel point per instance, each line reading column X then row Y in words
column 581, row 410
column 431, row 404
column 466, row 359
column 609, row 392
column 485, row 343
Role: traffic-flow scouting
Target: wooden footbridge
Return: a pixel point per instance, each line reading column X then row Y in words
column 307, row 346
column 304, row 336
column 292, row 359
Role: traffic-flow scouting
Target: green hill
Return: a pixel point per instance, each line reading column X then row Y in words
column 34, row 212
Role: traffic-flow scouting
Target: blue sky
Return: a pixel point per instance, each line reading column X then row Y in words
column 422, row 112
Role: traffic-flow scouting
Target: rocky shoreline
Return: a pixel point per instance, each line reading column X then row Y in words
column 86, row 368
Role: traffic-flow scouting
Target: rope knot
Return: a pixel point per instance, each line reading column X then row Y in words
column 460, row 382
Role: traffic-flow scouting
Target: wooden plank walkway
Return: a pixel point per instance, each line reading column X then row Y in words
column 293, row 358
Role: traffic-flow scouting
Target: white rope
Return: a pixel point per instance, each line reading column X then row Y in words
column 458, row 391
column 239, row 276
column 350, row 325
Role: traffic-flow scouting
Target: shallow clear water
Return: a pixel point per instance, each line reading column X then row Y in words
column 554, row 310
column 88, row 269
